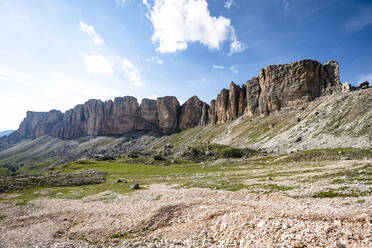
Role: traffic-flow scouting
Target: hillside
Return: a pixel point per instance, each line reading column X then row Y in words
column 341, row 120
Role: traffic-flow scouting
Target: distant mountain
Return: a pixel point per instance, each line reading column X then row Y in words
column 6, row 132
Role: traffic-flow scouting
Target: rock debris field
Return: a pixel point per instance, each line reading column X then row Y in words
column 167, row 216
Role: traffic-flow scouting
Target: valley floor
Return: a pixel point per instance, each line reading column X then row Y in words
column 166, row 216
column 318, row 198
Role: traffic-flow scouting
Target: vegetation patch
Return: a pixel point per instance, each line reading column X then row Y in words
column 121, row 236
column 268, row 174
column 333, row 194
column 329, row 155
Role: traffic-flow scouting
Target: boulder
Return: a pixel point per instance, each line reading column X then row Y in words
column 364, row 85
column 159, row 157
column 135, row 186
column 346, row 87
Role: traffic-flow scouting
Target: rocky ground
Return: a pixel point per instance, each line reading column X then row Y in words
column 166, row 216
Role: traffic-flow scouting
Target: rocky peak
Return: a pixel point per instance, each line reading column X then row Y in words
column 168, row 109
column 193, row 112
column 275, row 88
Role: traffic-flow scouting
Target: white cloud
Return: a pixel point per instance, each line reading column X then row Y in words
column 234, row 69
column 54, row 91
column 121, row 2
column 286, row 5
column 98, row 64
column 178, row 22
column 132, row 73
column 91, row 33
column 218, row 67
column 228, row 4
column 146, row 3
column 236, row 46
column 155, row 60
column 11, row 75
column 81, row 90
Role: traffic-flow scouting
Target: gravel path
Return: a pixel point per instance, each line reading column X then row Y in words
column 164, row 216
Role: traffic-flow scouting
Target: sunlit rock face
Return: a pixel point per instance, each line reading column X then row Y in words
column 276, row 87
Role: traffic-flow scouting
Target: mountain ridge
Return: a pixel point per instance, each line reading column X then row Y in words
column 6, row 132
column 276, row 87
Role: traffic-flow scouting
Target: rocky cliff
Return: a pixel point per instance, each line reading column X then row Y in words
column 276, row 87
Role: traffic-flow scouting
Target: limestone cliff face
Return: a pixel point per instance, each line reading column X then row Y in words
column 276, row 87
column 168, row 109
column 296, row 83
column 37, row 124
column 193, row 113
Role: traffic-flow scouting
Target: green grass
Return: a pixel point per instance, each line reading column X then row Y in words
column 223, row 151
column 4, row 172
column 361, row 174
column 158, row 197
column 329, row 154
column 121, row 236
column 251, row 175
column 333, row 194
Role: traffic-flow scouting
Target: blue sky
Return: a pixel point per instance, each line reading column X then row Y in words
column 55, row 54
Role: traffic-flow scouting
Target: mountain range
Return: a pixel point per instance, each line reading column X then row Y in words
column 286, row 108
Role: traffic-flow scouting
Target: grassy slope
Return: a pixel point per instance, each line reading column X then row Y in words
column 296, row 175
column 346, row 118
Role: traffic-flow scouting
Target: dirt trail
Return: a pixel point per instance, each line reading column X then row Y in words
column 164, row 216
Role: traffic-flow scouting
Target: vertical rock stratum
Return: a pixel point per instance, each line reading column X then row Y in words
column 276, row 87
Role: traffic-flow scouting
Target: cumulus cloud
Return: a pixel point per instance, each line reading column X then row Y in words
column 91, row 33
column 178, row 22
column 132, row 73
column 228, row 4
column 146, row 3
column 236, row 46
column 155, row 60
column 218, row 67
column 234, row 69
column 98, row 64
